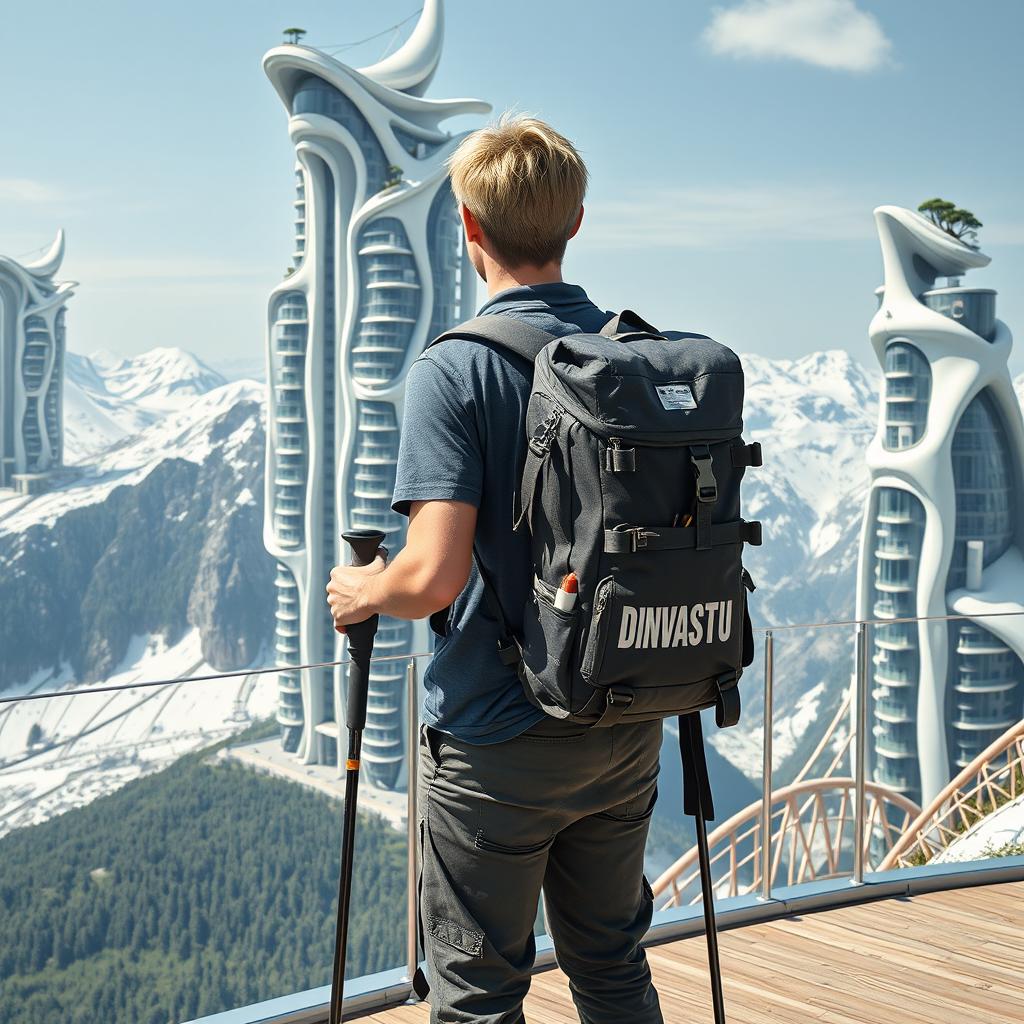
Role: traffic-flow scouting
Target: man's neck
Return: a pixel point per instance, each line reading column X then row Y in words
column 499, row 278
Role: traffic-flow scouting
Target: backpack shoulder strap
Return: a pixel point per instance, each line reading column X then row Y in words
column 523, row 340
column 507, row 331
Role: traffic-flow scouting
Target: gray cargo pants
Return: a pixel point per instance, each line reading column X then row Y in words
column 559, row 806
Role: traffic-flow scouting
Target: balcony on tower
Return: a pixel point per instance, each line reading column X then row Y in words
column 907, row 394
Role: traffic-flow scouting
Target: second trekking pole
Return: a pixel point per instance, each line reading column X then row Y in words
column 697, row 801
column 364, row 545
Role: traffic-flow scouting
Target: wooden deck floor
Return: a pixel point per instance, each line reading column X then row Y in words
column 951, row 957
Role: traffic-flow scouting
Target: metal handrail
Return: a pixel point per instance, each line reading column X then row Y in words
column 893, row 621
column 79, row 691
column 860, row 765
column 766, row 784
column 788, row 807
column 267, row 670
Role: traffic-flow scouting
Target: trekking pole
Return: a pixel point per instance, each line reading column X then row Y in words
column 698, row 802
column 364, row 545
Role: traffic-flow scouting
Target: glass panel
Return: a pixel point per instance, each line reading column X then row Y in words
column 413, row 144
column 163, row 856
column 444, row 234
column 984, row 480
column 975, row 308
column 315, row 96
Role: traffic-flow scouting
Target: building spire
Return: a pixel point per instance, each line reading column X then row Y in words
column 48, row 264
column 411, row 67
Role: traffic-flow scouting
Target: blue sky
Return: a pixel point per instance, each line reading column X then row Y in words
column 736, row 150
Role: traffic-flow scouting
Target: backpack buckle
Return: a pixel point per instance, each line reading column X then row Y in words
column 707, row 485
column 616, row 703
column 638, row 538
column 620, row 697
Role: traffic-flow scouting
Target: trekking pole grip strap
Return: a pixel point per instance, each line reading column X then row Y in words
column 696, row 783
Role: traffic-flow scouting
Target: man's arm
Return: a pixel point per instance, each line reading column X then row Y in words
column 426, row 576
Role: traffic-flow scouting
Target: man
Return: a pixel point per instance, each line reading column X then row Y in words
column 510, row 799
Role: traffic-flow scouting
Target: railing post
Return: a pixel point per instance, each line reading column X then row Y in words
column 861, row 748
column 412, row 701
column 766, row 781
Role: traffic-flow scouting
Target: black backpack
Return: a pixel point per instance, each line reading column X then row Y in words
column 631, row 482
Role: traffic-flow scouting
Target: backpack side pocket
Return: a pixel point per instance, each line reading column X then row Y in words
column 549, row 642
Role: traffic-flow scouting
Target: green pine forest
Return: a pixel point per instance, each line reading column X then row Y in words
column 199, row 888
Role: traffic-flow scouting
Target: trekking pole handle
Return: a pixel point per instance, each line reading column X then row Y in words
column 363, row 546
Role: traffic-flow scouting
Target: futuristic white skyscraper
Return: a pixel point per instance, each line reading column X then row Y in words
column 32, row 368
column 945, row 517
column 379, row 269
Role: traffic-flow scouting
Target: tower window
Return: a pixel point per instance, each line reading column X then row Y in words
column 908, row 385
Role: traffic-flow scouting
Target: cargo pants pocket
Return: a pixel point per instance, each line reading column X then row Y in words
column 471, row 979
column 444, row 915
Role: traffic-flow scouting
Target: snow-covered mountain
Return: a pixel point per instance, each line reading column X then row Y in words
column 814, row 418
column 146, row 564
column 160, row 530
column 107, row 398
column 158, row 542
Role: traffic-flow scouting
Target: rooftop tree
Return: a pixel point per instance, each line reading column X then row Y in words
column 294, row 34
column 961, row 224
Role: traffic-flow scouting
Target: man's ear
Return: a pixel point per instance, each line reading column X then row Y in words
column 576, row 226
column 472, row 225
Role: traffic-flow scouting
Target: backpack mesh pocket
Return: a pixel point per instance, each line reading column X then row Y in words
column 549, row 650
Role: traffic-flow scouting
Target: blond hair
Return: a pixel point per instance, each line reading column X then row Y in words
column 524, row 183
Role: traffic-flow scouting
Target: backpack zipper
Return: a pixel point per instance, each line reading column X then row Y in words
column 598, row 638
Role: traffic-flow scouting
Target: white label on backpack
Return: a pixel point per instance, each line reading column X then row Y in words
column 675, row 625
column 676, row 396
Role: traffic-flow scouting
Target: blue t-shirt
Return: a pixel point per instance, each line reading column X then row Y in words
column 463, row 439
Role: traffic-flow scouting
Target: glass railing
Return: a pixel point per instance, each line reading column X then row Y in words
column 163, row 858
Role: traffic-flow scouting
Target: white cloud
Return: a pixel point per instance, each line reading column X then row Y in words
column 24, row 190
column 827, row 33
column 719, row 217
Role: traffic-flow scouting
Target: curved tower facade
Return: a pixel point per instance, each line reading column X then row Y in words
column 944, row 525
column 378, row 270
column 32, row 368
